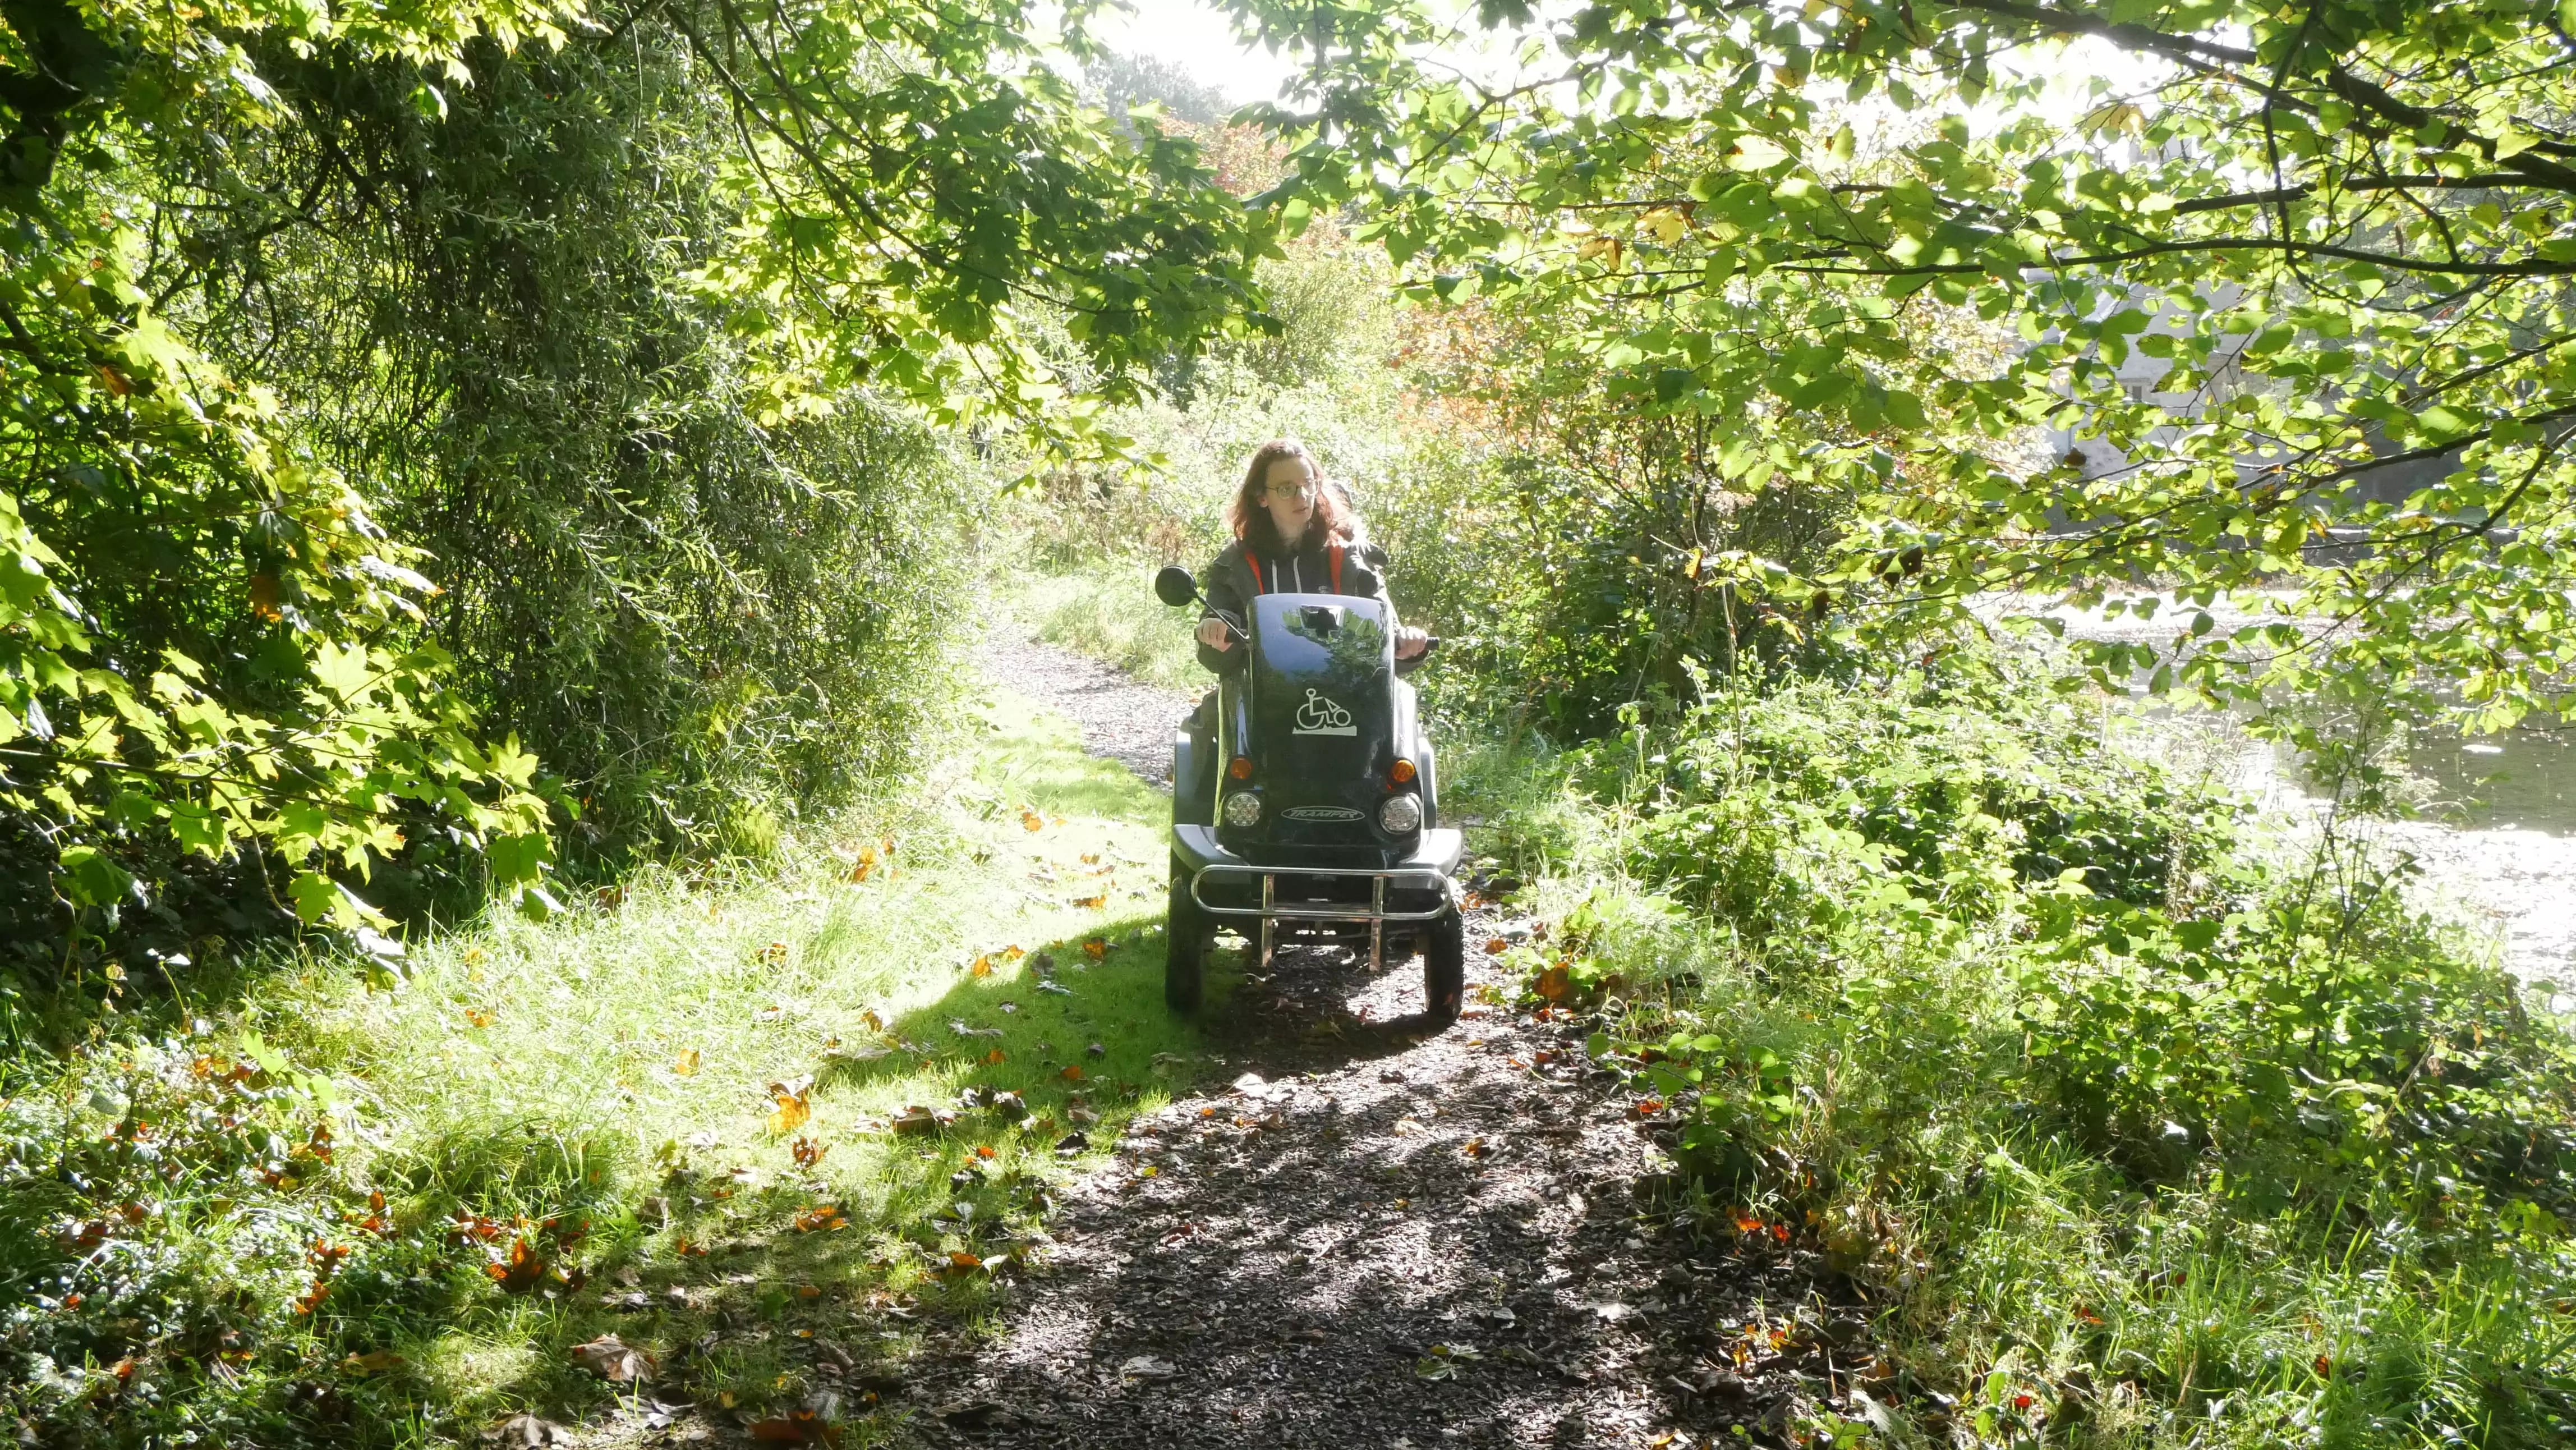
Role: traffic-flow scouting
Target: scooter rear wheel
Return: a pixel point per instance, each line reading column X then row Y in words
column 1444, row 968
column 1186, row 934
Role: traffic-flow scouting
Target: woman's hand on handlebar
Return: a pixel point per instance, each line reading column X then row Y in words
column 1411, row 643
column 1216, row 634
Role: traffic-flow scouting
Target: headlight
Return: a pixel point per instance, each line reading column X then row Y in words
column 1243, row 808
column 1401, row 814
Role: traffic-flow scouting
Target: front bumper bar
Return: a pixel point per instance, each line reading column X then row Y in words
column 1431, row 867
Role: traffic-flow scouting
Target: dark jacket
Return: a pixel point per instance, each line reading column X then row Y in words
column 1241, row 572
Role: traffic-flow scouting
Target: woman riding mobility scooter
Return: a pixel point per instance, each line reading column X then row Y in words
column 1305, row 799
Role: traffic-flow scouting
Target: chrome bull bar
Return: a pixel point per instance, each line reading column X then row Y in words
column 1374, row 913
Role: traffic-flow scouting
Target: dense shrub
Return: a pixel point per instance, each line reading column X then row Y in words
column 711, row 608
column 2141, row 1127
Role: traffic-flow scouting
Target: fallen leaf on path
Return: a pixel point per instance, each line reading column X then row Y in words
column 1443, row 1361
column 1495, row 946
column 613, row 1360
column 685, row 1064
column 982, row 966
column 1552, row 983
column 807, row 1152
column 519, row 1271
column 867, row 862
column 918, row 1119
column 1031, row 821
column 793, row 1110
column 820, row 1218
column 1147, row 1367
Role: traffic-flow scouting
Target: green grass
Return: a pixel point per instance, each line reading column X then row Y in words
column 607, row 1073
column 1107, row 609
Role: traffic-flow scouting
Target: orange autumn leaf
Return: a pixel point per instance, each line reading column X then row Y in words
column 1012, row 953
column 481, row 1016
column 1495, row 946
column 821, row 1218
column 983, row 966
column 807, row 1152
column 519, row 1271
column 1095, row 948
column 685, row 1064
column 1552, row 983
column 1073, row 1073
column 1031, row 820
column 793, row 1110
column 994, row 1056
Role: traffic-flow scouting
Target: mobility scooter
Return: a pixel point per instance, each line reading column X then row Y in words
column 1305, row 805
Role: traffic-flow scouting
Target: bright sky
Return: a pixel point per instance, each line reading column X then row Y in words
column 1198, row 38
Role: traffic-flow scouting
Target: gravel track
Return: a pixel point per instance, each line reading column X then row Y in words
column 1379, row 1236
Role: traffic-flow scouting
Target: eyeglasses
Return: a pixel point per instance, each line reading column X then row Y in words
column 1297, row 491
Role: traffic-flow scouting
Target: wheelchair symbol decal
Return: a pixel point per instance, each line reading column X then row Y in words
column 1319, row 716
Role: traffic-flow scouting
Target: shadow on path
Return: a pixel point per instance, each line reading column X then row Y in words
column 1378, row 1238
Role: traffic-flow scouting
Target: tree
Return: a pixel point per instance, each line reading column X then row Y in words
column 2348, row 231
column 208, row 642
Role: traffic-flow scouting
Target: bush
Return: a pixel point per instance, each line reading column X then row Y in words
column 2142, row 1130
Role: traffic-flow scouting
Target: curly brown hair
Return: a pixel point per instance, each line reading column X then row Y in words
column 1250, row 519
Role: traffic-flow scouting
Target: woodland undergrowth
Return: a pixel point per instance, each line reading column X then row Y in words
column 2140, row 1121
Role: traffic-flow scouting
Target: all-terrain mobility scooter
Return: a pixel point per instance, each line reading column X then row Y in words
column 1305, row 805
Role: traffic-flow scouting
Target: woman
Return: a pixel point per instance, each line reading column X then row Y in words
column 1293, row 534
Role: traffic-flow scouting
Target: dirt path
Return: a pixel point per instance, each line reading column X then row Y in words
column 1377, row 1238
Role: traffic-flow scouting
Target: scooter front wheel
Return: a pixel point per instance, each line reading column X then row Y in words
column 1186, row 934
column 1444, row 967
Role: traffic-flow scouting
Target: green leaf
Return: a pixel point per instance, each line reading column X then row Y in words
column 89, row 878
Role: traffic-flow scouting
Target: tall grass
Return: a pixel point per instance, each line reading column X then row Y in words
column 294, row 1219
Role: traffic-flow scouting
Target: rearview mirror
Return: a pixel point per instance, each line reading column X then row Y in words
column 1174, row 586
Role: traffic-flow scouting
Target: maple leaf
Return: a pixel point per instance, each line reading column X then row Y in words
column 793, row 1109
column 519, row 1271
